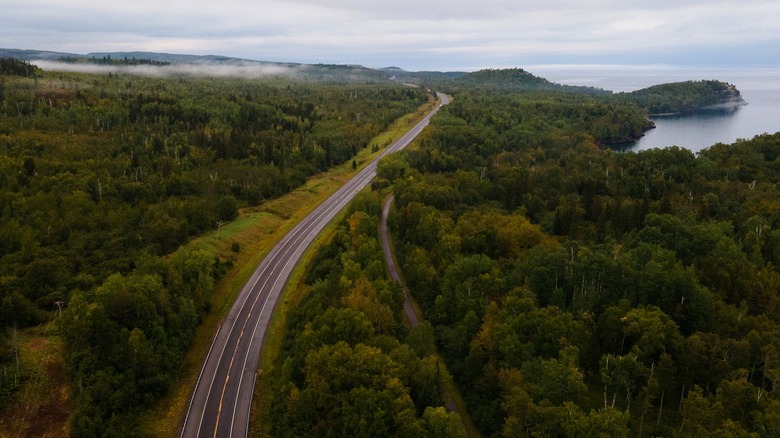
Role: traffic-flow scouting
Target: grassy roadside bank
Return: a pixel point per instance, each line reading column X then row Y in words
column 253, row 234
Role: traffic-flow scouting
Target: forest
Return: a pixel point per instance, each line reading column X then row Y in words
column 350, row 366
column 104, row 177
column 570, row 289
column 576, row 291
column 670, row 98
column 567, row 289
column 683, row 97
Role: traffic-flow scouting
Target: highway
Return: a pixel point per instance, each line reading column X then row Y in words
column 222, row 398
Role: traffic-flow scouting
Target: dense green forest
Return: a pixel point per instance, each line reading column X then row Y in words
column 572, row 290
column 102, row 178
column 350, row 365
column 575, row 291
column 679, row 97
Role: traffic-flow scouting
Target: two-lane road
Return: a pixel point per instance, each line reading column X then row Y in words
column 222, row 398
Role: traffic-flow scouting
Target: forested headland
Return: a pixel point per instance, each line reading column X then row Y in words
column 684, row 97
column 571, row 290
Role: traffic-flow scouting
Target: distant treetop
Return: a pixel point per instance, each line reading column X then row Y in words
column 15, row 67
column 108, row 60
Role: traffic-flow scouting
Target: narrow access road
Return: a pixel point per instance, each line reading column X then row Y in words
column 414, row 320
column 222, row 398
column 409, row 313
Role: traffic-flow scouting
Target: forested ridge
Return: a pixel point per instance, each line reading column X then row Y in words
column 103, row 177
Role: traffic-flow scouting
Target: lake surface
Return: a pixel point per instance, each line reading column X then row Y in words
column 760, row 87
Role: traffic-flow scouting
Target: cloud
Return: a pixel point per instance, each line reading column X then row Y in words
column 454, row 32
column 236, row 69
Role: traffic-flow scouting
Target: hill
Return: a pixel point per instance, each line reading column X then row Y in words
column 516, row 79
column 681, row 97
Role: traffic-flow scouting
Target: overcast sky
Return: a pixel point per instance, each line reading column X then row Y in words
column 412, row 34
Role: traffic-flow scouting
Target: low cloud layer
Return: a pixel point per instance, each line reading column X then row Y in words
column 437, row 34
column 244, row 70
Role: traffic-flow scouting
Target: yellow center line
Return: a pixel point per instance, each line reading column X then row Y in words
column 227, row 376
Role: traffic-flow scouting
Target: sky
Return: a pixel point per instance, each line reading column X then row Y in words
column 440, row 35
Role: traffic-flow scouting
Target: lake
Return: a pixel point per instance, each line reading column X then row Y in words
column 760, row 87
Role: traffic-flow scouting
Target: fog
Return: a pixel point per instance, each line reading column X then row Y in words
column 240, row 69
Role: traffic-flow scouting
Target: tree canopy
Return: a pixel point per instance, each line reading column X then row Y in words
column 575, row 291
column 104, row 177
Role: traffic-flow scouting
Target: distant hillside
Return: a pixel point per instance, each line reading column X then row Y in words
column 492, row 80
column 681, row 97
column 29, row 55
column 166, row 64
column 515, row 79
column 666, row 98
column 427, row 78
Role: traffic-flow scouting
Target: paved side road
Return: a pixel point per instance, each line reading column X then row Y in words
column 222, row 398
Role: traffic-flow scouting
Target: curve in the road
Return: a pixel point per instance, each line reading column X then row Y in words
column 222, row 398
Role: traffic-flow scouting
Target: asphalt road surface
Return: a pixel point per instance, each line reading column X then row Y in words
column 220, row 403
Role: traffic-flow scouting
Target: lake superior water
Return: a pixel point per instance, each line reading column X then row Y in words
column 760, row 87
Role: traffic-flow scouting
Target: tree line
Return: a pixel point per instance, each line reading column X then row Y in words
column 108, row 60
column 14, row 67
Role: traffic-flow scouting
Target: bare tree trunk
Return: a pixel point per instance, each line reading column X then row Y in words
column 628, row 398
